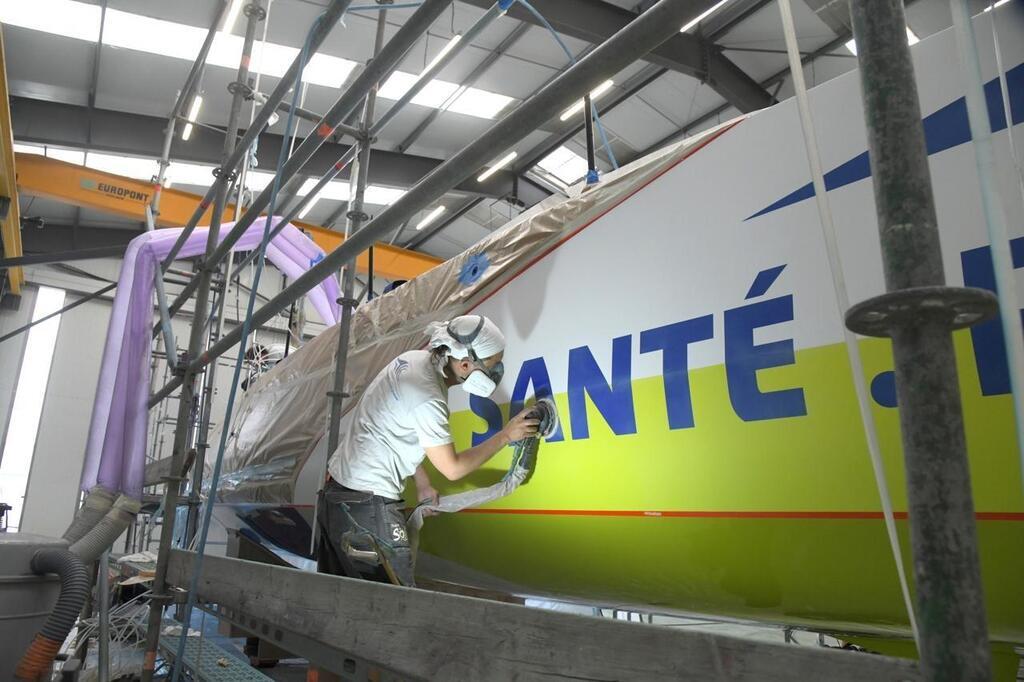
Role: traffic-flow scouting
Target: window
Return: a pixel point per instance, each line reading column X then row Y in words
column 20, row 443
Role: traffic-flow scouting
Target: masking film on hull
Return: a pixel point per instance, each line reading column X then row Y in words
column 711, row 457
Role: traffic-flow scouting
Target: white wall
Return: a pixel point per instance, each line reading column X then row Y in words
column 52, row 495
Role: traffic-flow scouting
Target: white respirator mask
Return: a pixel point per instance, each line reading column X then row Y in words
column 481, row 382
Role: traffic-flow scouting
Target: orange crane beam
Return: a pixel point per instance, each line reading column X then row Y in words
column 127, row 197
column 10, row 221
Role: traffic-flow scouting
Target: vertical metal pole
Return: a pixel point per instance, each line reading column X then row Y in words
column 588, row 126
column 103, row 596
column 369, row 274
column 255, row 13
column 919, row 313
column 354, row 219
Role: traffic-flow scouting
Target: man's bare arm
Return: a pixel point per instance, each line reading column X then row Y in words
column 455, row 465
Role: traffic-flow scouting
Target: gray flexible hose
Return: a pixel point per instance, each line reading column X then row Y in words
column 97, row 503
column 108, row 529
column 75, row 585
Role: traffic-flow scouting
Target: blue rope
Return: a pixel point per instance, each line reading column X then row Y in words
column 246, row 330
column 572, row 60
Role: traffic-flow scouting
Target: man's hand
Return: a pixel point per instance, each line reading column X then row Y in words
column 521, row 426
column 425, row 492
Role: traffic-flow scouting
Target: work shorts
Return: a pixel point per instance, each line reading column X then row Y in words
column 341, row 510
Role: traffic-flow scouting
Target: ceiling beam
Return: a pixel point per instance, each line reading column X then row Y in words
column 775, row 79
column 69, row 125
column 594, row 21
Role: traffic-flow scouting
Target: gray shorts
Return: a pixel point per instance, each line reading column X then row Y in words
column 341, row 510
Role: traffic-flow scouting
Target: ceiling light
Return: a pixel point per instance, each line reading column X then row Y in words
column 433, row 94
column 444, row 51
column 58, row 17
column 912, row 39
column 197, row 103
column 564, row 164
column 703, row 15
column 430, row 217
column 167, row 38
column 439, row 94
column 578, row 106
column 504, row 161
column 229, row 20
column 999, row 3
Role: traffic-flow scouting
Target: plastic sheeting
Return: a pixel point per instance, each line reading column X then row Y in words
column 115, row 452
column 283, row 415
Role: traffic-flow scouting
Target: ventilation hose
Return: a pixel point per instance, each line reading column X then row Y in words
column 97, row 503
column 109, row 528
column 74, row 588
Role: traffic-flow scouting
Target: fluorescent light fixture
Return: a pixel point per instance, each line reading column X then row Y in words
column 197, row 103
column 229, row 20
column 912, row 39
column 449, row 46
column 23, row 427
column 564, row 164
column 703, row 15
column 57, row 17
column 430, row 217
column 994, row 5
column 504, row 161
column 578, row 106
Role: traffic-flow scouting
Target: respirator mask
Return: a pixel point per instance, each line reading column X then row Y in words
column 481, row 381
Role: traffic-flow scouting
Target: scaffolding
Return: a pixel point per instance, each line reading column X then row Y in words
column 955, row 647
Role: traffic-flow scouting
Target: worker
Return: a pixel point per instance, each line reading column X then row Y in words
column 402, row 417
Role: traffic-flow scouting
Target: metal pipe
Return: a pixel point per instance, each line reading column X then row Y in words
column 428, row 74
column 374, row 72
column 648, row 30
column 354, row 220
column 183, row 96
column 588, row 127
column 103, row 597
column 165, row 321
column 255, row 13
column 64, row 256
column 919, row 313
column 314, row 117
column 295, row 210
column 222, row 175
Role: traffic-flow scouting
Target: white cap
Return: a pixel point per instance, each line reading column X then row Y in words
column 488, row 340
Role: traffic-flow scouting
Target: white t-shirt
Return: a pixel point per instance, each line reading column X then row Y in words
column 402, row 411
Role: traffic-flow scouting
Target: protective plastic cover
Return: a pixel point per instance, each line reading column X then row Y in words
column 283, row 415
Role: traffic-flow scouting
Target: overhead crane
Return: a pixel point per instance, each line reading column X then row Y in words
column 127, row 197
